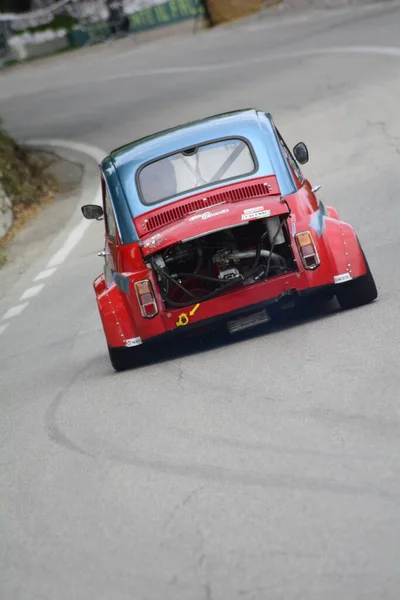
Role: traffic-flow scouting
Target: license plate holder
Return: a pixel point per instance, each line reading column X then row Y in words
column 248, row 321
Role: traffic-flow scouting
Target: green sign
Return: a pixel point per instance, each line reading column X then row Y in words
column 167, row 13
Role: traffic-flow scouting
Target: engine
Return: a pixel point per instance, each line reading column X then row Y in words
column 208, row 266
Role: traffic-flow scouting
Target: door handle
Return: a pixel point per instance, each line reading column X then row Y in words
column 103, row 253
column 316, row 188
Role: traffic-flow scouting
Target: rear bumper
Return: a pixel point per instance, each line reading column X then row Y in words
column 125, row 326
column 238, row 301
column 284, row 301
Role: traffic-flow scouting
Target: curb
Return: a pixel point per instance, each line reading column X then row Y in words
column 51, row 228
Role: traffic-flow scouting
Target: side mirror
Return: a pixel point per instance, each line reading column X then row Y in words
column 301, row 153
column 92, row 211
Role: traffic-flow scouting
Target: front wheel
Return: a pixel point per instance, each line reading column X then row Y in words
column 121, row 358
column 359, row 291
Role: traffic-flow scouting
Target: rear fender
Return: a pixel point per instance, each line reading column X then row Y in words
column 119, row 327
column 344, row 249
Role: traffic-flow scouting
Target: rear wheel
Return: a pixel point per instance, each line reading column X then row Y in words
column 359, row 291
column 121, row 358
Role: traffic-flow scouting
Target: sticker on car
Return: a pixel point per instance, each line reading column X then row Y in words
column 136, row 341
column 342, row 278
column 258, row 212
column 208, row 215
column 184, row 318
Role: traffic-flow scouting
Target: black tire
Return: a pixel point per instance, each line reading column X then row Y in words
column 359, row 291
column 120, row 358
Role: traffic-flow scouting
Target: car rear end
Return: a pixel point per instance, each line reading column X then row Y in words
column 227, row 262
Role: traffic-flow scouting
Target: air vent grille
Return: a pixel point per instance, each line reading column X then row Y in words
column 150, row 222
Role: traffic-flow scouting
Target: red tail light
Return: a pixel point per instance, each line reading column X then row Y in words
column 307, row 249
column 146, row 298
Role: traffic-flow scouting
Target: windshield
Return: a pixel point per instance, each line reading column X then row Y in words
column 191, row 169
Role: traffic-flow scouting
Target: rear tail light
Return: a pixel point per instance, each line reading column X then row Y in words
column 307, row 249
column 146, row 299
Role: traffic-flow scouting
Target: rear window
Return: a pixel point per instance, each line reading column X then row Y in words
column 195, row 168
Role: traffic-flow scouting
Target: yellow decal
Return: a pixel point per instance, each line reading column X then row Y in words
column 194, row 310
column 184, row 318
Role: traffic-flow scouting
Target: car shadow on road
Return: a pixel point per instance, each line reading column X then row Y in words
column 181, row 347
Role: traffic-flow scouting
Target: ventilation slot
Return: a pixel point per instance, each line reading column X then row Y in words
column 178, row 213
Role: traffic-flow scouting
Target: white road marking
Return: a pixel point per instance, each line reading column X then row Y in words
column 3, row 328
column 32, row 291
column 287, row 19
column 45, row 274
column 72, row 240
column 77, row 233
column 93, row 151
column 15, row 311
column 74, row 236
column 374, row 50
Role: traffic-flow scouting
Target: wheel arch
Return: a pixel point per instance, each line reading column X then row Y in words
column 344, row 248
column 116, row 318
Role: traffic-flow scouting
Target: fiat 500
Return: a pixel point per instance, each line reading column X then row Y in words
column 213, row 222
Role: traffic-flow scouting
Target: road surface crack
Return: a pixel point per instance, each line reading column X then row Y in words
column 178, row 507
column 393, row 140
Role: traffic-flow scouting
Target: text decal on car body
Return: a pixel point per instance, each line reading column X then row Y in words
column 255, row 213
column 133, row 342
column 208, row 215
column 342, row 278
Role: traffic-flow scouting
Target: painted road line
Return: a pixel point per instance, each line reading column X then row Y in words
column 74, row 237
column 3, row 327
column 72, row 240
column 45, row 274
column 390, row 51
column 32, row 292
column 286, row 19
column 93, row 151
column 15, row 311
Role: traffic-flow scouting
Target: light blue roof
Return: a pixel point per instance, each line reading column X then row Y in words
column 121, row 165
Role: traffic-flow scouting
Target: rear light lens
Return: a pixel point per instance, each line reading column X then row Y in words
column 307, row 249
column 146, row 298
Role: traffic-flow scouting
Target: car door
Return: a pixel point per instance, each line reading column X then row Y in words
column 111, row 237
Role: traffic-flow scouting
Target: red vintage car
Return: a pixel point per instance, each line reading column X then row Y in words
column 212, row 222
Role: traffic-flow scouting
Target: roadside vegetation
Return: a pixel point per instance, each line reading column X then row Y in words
column 26, row 183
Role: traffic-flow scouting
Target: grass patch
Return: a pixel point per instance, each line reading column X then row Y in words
column 3, row 257
column 59, row 22
column 25, row 181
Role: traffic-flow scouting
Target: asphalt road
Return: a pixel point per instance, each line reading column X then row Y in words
column 266, row 468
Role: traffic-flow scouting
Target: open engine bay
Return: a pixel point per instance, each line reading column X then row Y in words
column 200, row 269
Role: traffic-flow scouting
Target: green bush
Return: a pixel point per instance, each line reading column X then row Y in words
column 21, row 175
column 59, row 22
